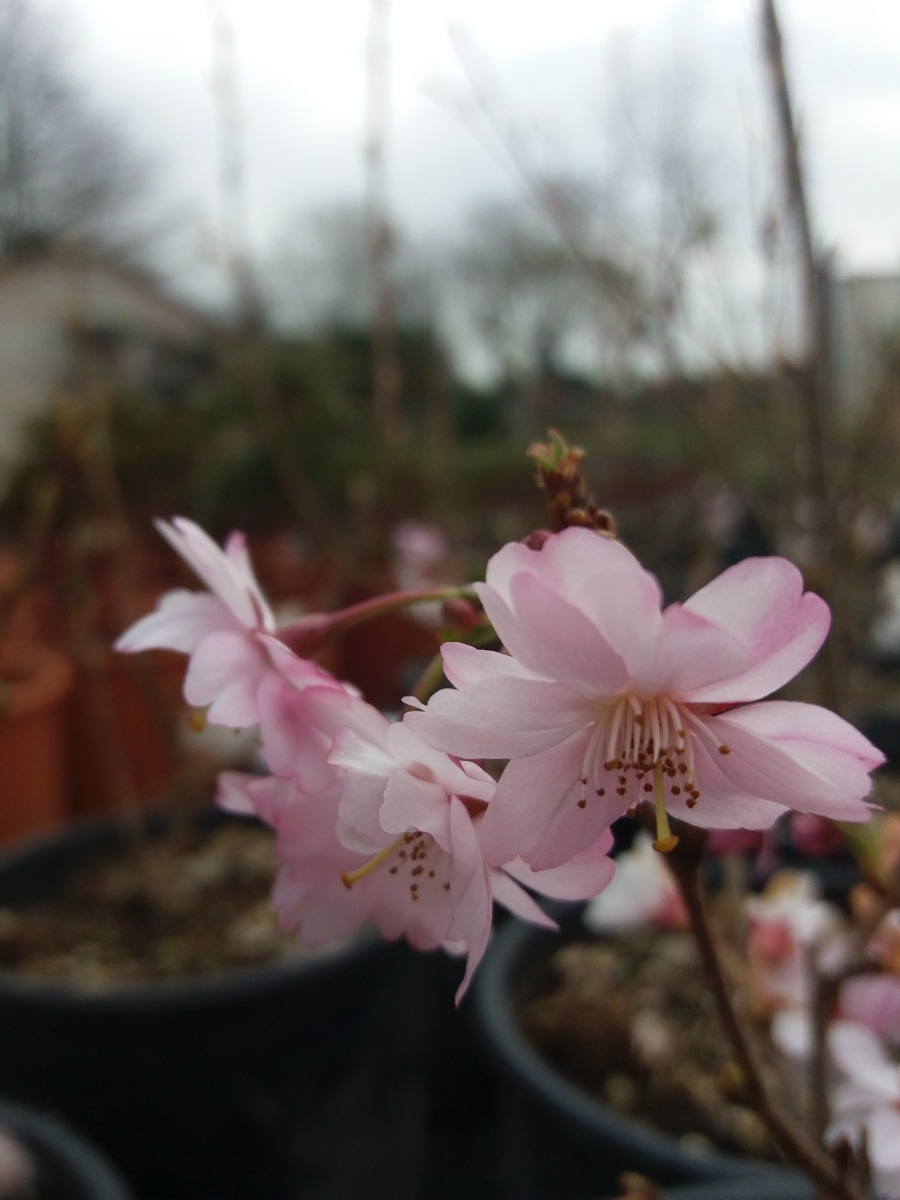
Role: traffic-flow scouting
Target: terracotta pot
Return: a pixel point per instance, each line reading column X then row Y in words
column 384, row 656
column 35, row 682
column 123, row 719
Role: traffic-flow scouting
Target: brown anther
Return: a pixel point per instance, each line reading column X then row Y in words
column 601, row 791
column 582, row 803
column 621, row 791
column 418, row 870
column 691, row 801
column 648, row 787
column 724, row 749
column 676, row 790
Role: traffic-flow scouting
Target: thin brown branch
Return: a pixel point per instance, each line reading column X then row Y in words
column 815, row 381
column 807, row 1154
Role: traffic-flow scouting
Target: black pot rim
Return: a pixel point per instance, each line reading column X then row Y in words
column 584, row 1118
column 788, row 1186
column 162, row 998
column 66, row 1151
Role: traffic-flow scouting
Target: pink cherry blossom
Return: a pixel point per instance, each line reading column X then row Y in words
column 395, row 843
column 604, row 700
column 228, row 631
column 301, row 712
column 420, row 812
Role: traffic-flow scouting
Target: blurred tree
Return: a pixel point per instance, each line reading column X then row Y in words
column 318, row 275
column 66, row 170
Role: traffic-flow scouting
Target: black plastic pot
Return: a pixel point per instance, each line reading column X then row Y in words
column 67, row 1166
column 237, row 1086
column 765, row 1188
column 558, row 1140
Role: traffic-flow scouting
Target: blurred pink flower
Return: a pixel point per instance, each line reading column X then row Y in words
column 604, row 700
column 866, row 1101
column 790, row 928
column 227, row 631
column 643, row 893
column 873, row 1000
column 864, row 1094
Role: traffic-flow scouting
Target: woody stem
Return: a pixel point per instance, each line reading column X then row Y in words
column 821, row 1168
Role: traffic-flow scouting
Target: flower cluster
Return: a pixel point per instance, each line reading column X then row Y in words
column 599, row 700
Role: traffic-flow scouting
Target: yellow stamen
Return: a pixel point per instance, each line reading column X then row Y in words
column 666, row 840
column 348, row 878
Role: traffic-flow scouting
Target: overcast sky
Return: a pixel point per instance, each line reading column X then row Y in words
column 300, row 70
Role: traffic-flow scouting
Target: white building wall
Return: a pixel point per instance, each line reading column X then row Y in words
column 42, row 301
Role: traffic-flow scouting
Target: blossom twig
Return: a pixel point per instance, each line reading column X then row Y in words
column 808, row 1155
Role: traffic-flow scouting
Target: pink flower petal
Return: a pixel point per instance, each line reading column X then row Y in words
column 237, row 554
column 211, row 564
column 465, row 665
column 552, row 638
column 596, row 575
column 586, row 874
column 722, row 804
column 224, row 673
column 180, row 622
column 298, row 728
column 798, row 755
column 689, row 652
column 500, row 717
column 511, row 896
column 761, row 601
column 234, row 793
column 535, row 812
